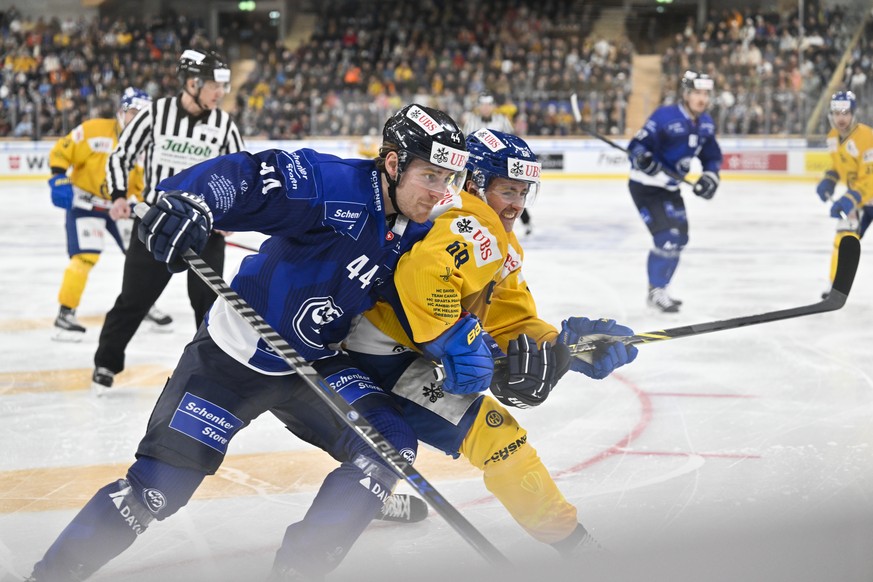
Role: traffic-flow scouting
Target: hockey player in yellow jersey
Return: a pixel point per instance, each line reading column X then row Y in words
column 83, row 153
column 850, row 145
column 470, row 262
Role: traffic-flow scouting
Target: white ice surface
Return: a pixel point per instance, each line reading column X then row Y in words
column 739, row 455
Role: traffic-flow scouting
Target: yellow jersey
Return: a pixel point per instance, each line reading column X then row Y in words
column 85, row 150
column 852, row 159
column 467, row 262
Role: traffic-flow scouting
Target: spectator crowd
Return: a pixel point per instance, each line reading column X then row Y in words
column 360, row 64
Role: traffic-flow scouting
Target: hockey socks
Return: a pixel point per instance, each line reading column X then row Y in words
column 104, row 528
column 111, row 521
column 348, row 500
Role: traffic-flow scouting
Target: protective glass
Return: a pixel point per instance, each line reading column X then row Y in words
column 513, row 191
column 433, row 178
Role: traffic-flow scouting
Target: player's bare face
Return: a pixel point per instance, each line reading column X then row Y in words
column 697, row 100
column 421, row 186
column 212, row 93
column 506, row 197
column 842, row 121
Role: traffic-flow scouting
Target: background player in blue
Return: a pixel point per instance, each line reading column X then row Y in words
column 660, row 155
column 335, row 238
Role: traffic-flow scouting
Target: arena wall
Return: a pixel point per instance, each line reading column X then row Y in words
column 562, row 158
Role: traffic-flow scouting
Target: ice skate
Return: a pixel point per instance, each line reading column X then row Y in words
column 403, row 508
column 101, row 381
column 659, row 300
column 67, row 327
column 578, row 544
column 160, row 321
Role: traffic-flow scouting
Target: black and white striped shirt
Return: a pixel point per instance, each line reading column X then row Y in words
column 171, row 140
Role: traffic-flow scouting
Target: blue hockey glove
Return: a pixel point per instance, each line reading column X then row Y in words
column 533, row 372
column 825, row 188
column 612, row 354
column 846, row 204
column 178, row 222
column 706, row 186
column 645, row 162
column 62, row 191
column 465, row 355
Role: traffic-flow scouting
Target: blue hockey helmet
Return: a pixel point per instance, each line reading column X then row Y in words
column 134, row 98
column 843, row 101
column 495, row 154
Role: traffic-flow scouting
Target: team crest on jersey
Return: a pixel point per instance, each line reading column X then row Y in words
column 315, row 313
column 154, row 499
column 852, row 148
column 485, row 249
column 684, row 164
column 346, row 218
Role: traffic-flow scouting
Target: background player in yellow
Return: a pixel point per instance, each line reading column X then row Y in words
column 83, row 195
column 851, row 147
column 471, row 261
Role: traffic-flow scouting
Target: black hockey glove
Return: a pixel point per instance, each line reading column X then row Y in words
column 706, row 186
column 532, row 372
column 178, row 222
column 646, row 162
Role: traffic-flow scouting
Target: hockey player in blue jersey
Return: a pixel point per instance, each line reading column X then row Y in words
column 660, row 155
column 338, row 228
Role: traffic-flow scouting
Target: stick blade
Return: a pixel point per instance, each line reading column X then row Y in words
column 574, row 105
column 848, row 256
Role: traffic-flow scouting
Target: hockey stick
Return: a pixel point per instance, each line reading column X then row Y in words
column 847, row 264
column 341, row 408
column 577, row 115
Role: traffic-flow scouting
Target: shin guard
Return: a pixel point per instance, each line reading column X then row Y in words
column 75, row 278
column 103, row 529
column 515, row 475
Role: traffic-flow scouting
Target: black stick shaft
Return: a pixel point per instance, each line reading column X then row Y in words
column 577, row 115
column 848, row 256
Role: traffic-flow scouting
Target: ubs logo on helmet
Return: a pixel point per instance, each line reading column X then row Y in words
column 315, row 313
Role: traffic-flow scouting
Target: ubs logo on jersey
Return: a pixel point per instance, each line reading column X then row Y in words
column 315, row 313
column 346, row 218
column 101, row 145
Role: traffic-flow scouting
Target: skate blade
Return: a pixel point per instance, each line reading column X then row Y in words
column 67, row 336
column 155, row 328
column 99, row 390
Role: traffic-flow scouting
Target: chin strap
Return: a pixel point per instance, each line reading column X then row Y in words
column 392, row 190
column 196, row 98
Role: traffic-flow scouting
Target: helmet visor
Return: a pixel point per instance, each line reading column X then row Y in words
column 518, row 192
column 433, row 178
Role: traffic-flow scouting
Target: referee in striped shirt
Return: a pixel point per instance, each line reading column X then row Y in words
column 173, row 134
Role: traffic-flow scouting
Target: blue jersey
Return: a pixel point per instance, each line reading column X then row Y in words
column 330, row 247
column 675, row 139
